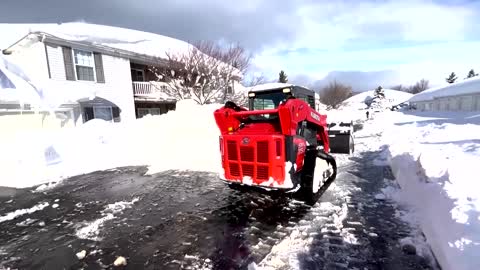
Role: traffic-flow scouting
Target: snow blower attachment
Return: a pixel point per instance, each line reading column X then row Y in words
column 280, row 143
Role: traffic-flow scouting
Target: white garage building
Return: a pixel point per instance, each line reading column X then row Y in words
column 460, row 96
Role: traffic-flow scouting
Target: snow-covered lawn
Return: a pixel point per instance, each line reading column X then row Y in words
column 185, row 139
column 435, row 158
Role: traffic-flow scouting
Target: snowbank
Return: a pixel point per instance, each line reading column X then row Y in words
column 435, row 159
column 392, row 97
column 185, row 139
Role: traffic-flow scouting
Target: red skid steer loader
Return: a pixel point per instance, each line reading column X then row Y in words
column 280, row 142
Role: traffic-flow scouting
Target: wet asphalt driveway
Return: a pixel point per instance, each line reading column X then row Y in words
column 191, row 220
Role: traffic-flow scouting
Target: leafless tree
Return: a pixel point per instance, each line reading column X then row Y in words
column 205, row 73
column 255, row 80
column 419, row 86
column 334, row 94
column 399, row 87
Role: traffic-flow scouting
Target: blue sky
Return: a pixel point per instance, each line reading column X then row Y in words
column 416, row 39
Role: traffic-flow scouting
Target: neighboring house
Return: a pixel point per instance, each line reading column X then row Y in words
column 97, row 71
column 459, row 96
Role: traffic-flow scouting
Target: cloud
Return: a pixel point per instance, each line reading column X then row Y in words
column 308, row 38
column 407, row 40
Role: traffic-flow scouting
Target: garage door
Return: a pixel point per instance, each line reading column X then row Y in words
column 466, row 103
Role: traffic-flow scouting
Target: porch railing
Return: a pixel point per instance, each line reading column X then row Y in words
column 149, row 89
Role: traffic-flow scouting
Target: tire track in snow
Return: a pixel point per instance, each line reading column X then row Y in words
column 352, row 228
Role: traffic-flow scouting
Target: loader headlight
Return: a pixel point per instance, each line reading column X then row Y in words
column 286, row 90
column 251, row 94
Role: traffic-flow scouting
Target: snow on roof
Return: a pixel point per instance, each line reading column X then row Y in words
column 267, row 86
column 139, row 42
column 393, row 97
column 14, row 85
column 467, row 86
column 114, row 37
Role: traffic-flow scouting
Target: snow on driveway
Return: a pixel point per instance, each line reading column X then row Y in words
column 173, row 226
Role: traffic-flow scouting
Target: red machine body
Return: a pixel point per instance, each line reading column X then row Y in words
column 267, row 147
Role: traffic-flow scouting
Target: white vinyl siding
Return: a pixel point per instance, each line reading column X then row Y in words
column 117, row 87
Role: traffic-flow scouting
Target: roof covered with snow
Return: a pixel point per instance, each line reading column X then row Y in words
column 393, row 97
column 115, row 37
column 134, row 41
column 467, row 86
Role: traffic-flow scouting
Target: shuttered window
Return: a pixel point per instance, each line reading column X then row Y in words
column 83, row 65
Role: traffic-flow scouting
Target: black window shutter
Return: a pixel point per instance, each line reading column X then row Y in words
column 99, row 67
column 48, row 61
column 68, row 61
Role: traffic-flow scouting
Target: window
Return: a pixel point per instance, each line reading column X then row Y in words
column 145, row 111
column 84, row 65
column 137, row 75
column 98, row 112
column 229, row 90
column 263, row 104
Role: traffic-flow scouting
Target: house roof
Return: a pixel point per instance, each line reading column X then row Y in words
column 137, row 45
column 467, row 86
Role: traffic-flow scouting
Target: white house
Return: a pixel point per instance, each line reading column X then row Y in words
column 95, row 71
column 460, row 96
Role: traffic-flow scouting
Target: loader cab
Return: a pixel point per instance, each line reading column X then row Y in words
column 265, row 99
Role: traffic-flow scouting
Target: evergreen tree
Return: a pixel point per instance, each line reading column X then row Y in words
column 471, row 74
column 282, row 77
column 451, row 78
column 379, row 93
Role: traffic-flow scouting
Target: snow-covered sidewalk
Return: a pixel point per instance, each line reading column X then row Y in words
column 435, row 157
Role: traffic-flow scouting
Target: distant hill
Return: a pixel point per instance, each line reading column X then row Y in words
column 360, row 81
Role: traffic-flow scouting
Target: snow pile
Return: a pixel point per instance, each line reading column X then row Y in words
column 467, row 86
column 185, row 139
column 359, row 101
column 435, row 161
column 14, row 84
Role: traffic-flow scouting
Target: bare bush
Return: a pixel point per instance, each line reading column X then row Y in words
column 205, row 73
column 334, row 94
column 418, row 87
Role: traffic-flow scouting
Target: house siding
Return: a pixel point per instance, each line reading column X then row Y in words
column 33, row 61
column 117, row 87
column 453, row 103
